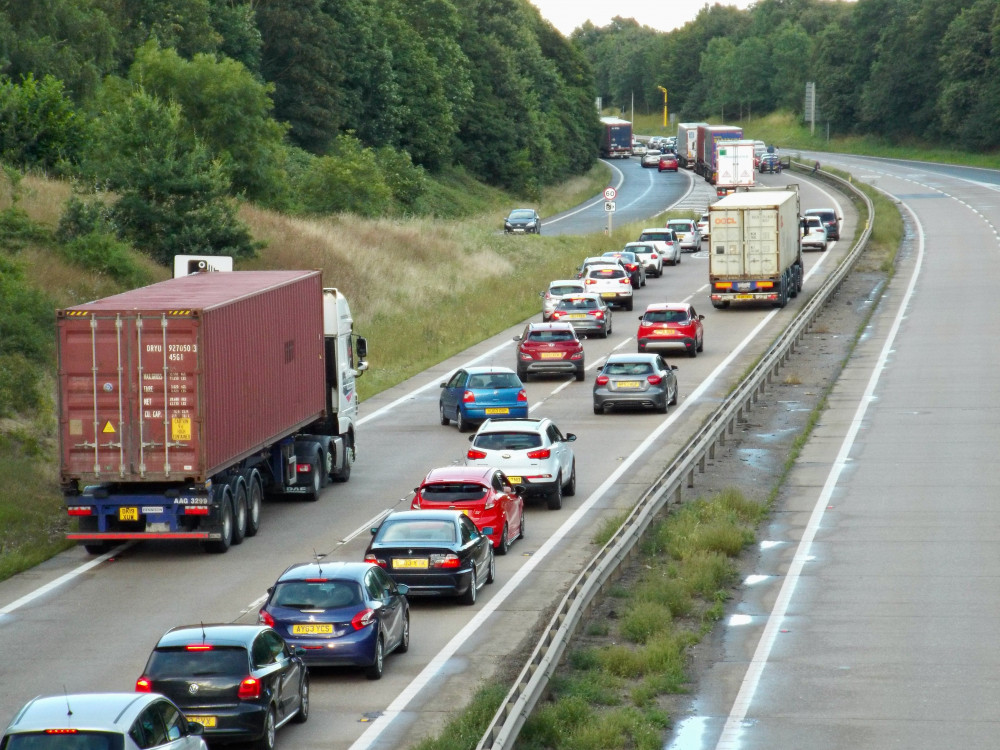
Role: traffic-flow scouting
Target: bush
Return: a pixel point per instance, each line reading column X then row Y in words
column 38, row 125
column 106, row 255
column 348, row 180
column 20, row 392
column 81, row 217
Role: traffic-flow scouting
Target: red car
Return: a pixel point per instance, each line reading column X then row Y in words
column 482, row 493
column 668, row 163
column 671, row 325
column 549, row 348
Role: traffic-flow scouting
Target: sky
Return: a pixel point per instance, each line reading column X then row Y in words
column 664, row 15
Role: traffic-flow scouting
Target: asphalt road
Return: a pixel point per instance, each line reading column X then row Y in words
column 82, row 625
column 873, row 621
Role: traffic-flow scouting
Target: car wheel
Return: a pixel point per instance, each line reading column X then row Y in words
column 374, row 672
column 598, row 409
column 662, row 408
column 491, row 575
column 677, row 393
column 693, row 351
column 679, row 258
column 266, row 741
column 444, row 420
column 570, row 489
column 628, row 305
column 404, row 639
column 556, row 495
column 460, row 422
column 701, row 344
column 580, row 375
column 469, row 597
column 239, row 513
column 520, row 532
column 302, row 716
column 221, row 545
column 504, row 545
column 523, row 376
column 255, row 499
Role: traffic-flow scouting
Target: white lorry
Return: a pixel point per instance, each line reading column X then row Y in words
column 736, row 168
column 687, row 143
column 754, row 250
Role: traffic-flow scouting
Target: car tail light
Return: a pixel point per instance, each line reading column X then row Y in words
column 196, row 510
column 61, row 731
column 80, row 510
column 377, row 560
column 363, row 619
column 588, row 282
column 630, row 266
column 625, row 281
column 654, row 379
column 415, row 505
column 577, row 355
column 198, row 647
column 526, row 356
column 558, row 314
column 468, row 397
column 144, row 685
column 522, row 396
column 444, row 561
column 543, row 453
column 473, row 453
column 264, row 618
column 599, row 314
column 249, row 689
column 653, row 256
column 603, row 379
column 548, row 295
column 490, row 504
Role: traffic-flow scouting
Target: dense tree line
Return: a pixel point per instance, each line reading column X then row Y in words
column 178, row 107
column 899, row 69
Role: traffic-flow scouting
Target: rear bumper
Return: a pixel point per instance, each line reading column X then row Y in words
column 654, row 398
column 556, row 365
column 687, row 343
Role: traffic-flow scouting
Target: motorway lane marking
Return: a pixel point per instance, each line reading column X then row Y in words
column 598, row 201
column 730, row 738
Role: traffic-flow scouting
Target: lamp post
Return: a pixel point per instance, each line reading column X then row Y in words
column 664, row 105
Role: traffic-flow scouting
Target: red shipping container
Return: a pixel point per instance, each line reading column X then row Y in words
column 178, row 380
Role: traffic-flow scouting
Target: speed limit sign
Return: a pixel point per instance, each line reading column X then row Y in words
column 610, row 193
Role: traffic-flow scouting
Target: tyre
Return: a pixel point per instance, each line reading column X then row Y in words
column 221, row 545
column 504, row 545
column 520, row 533
column 469, row 597
column 97, row 548
column 693, row 351
column 255, row 499
column 239, row 512
column 374, row 672
column 570, row 489
column 404, row 640
column 344, row 473
column 315, row 472
column 491, row 574
column 598, row 409
column 303, row 713
column 461, row 422
column 603, row 334
column 266, row 741
column 580, row 375
column 677, row 391
column 662, row 408
column 701, row 345
column 556, row 495
column 628, row 304
column 444, row 420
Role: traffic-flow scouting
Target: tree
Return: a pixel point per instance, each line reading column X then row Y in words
column 39, row 126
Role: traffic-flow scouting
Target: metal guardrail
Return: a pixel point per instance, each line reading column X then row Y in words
column 531, row 683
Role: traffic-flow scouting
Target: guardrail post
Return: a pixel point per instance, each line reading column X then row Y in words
column 701, row 465
column 690, row 481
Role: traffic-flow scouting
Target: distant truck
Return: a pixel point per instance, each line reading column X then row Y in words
column 183, row 403
column 709, row 137
column 754, row 250
column 736, row 166
column 687, row 143
column 616, row 138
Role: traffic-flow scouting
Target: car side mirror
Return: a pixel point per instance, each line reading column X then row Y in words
column 471, row 438
column 640, row 317
column 517, row 338
column 570, row 437
column 518, row 490
column 402, row 589
column 444, row 385
column 487, row 530
column 701, row 317
column 373, row 530
column 195, row 728
column 300, row 651
column 361, row 347
column 673, row 367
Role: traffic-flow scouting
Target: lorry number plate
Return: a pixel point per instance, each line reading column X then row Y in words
column 128, row 513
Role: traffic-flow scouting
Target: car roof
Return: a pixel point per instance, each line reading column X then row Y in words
column 554, row 326
column 581, row 295
column 441, row 514
column 565, row 282
column 654, row 229
column 217, row 634
column 80, row 711
column 460, row 474
column 818, row 211
column 680, row 221
column 332, row 569
column 506, row 425
column 668, row 306
column 634, row 357
column 481, row 369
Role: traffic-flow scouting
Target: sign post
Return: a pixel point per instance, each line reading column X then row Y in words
column 609, row 205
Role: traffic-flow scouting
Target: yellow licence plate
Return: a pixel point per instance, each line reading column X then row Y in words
column 313, row 628
column 607, row 295
column 744, row 296
column 498, row 411
column 415, row 562
column 665, row 332
column 628, row 384
column 577, row 316
column 514, row 480
column 206, row 721
column 552, row 355
column 128, row 513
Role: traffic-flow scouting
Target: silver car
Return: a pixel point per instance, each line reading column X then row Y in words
column 687, row 233
column 557, row 290
column 635, row 380
column 125, row 721
column 813, row 233
column 666, row 242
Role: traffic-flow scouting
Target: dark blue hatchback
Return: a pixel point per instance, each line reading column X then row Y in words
column 340, row 614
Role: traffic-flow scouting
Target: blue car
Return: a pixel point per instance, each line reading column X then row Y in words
column 340, row 614
column 474, row 394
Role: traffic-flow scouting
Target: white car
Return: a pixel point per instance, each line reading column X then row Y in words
column 813, row 233
column 533, row 453
column 687, row 233
column 650, row 257
column 611, row 281
column 557, row 290
column 703, row 224
column 638, row 148
column 665, row 240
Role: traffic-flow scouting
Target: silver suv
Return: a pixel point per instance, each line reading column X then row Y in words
column 99, row 721
column 533, row 453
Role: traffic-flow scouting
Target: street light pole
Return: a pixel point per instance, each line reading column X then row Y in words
column 664, row 105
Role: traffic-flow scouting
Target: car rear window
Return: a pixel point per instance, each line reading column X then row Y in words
column 316, row 594
column 657, row 236
column 665, row 316
column 642, row 248
column 607, row 273
column 628, row 368
column 417, row 531
column 181, row 662
column 565, row 289
column 77, row 740
column 582, row 303
column 453, row 491
column 494, row 380
column 548, row 336
column 514, row 441
column 681, row 226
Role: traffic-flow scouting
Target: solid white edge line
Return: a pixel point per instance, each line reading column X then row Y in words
column 729, row 739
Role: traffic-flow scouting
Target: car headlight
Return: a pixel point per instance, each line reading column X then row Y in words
column 530, row 224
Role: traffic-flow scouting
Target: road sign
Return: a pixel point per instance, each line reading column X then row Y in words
column 610, row 194
column 609, row 205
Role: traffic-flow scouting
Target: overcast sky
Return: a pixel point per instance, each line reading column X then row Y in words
column 664, row 15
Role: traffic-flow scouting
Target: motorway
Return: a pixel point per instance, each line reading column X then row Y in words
column 79, row 624
column 870, row 620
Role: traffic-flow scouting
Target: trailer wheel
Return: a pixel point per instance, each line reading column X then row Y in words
column 221, row 545
column 240, row 513
column 97, row 548
column 255, row 499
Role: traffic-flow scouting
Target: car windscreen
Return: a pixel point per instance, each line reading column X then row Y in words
column 657, row 236
column 197, row 660
column 564, row 289
column 405, row 532
column 328, row 594
column 665, row 316
column 681, row 226
column 549, row 336
column 628, row 368
column 513, row 441
column 494, row 380
column 73, row 739
column 521, row 215
column 453, row 491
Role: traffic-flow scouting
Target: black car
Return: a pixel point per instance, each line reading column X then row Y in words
column 770, row 163
column 434, row 552
column 240, row 682
column 523, row 221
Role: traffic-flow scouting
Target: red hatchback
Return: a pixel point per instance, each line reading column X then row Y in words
column 668, row 163
column 671, row 325
column 482, row 493
column 550, row 347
